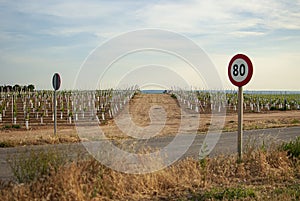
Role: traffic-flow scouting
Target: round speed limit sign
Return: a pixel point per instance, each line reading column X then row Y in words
column 240, row 70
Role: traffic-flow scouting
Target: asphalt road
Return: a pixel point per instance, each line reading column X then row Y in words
column 227, row 144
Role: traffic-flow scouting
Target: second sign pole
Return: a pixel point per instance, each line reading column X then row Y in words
column 240, row 123
column 56, row 81
column 55, row 112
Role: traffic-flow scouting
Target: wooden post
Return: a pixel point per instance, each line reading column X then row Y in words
column 240, row 123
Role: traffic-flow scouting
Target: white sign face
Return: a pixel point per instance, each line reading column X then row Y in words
column 239, row 70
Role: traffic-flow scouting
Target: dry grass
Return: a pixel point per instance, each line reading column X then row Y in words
column 38, row 136
column 263, row 174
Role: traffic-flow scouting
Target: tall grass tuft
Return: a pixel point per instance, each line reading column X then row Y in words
column 35, row 164
column 292, row 147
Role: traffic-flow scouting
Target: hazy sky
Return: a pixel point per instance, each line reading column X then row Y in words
column 38, row 38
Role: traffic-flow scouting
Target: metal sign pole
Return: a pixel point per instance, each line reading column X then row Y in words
column 240, row 123
column 54, row 110
column 56, row 84
column 12, row 109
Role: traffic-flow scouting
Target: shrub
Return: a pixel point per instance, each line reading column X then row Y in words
column 17, row 126
column 174, row 96
column 5, row 144
column 6, row 127
column 293, row 147
column 295, row 121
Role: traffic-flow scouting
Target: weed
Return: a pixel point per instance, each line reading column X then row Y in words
column 6, row 127
column 295, row 121
column 292, row 191
column 16, row 126
column 174, row 96
column 5, row 144
column 29, row 167
column 293, row 148
column 227, row 194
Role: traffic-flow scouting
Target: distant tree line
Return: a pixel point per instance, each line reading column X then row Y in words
column 17, row 88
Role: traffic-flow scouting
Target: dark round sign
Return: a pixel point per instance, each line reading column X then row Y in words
column 240, row 70
column 56, row 81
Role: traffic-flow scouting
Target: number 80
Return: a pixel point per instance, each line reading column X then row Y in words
column 239, row 70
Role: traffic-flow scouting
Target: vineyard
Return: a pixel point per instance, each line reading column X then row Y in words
column 36, row 108
column 208, row 101
column 29, row 109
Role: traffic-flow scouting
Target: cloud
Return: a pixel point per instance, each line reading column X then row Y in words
column 34, row 32
column 222, row 16
column 246, row 33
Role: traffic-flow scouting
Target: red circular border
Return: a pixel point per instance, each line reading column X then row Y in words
column 250, row 70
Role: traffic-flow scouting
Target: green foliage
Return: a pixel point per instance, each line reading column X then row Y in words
column 6, row 127
column 30, row 87
column 174, row 96
column 5, row 144
column 15, row 109
column 226, row 194
column 204, row 151
column 16, row 126
column 28, row 167
column 295, row 121
column 291, row 190
column 293, row 148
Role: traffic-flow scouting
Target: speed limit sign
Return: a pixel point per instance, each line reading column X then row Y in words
column 240, row 70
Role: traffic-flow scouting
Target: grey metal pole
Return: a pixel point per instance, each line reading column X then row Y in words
column 240, row 123
column 12, row 109
column 54, row 110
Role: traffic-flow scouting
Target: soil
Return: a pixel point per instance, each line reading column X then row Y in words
column 139, row 108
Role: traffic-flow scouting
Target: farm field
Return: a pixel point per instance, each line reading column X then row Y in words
column 139, row 106
column 36, row 108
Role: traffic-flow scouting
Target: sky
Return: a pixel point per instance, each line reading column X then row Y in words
column 39, row 38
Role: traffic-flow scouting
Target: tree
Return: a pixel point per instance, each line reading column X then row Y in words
column 30, row 87
column 24, row 88
column 17, row 88
column 8, row 88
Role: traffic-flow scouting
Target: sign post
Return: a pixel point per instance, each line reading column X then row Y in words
column 240, row 71
column 56, row 84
